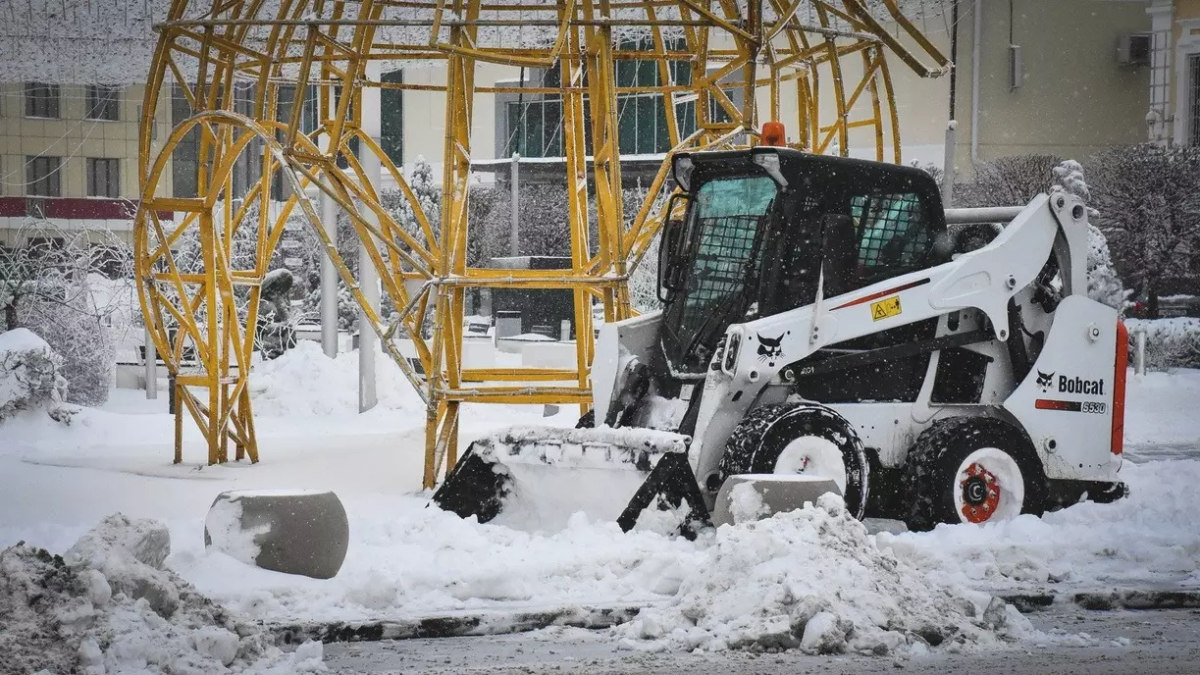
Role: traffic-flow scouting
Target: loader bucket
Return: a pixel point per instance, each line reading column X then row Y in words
column 771, row 493
column 536, row 478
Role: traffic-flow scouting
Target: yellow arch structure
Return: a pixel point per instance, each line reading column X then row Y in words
column 825, row 61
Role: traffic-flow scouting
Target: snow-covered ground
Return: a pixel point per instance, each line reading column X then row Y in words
column 407, row 559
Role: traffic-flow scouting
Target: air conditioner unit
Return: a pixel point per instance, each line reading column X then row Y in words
column 1133, row 49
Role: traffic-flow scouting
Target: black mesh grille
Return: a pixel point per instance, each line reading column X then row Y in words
column 722, row 264
column 892, row 230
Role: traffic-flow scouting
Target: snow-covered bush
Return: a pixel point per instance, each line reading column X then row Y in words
column 1008, row 181
column 45, row 285
column 29, row 374
column 1170, row 343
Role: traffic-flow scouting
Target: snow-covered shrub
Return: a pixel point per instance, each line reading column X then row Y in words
column 29, row 374
column 84, row 343
column 1008, row 181
column 1170, row 343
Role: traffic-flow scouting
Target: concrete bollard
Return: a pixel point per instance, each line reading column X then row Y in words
column 301, row 532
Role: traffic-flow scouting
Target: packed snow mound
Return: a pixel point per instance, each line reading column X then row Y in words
column 814, row 579
column 304, row 381
column 107, row 606
column 1149, row 538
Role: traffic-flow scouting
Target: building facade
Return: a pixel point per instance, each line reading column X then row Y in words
column 68, row 153
column 1174, row 114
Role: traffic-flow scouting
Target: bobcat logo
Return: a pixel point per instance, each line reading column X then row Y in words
column 1045, row 380
column 769, row 349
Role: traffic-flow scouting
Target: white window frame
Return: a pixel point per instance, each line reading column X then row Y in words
column 1186, row 47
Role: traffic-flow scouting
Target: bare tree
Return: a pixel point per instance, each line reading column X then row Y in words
column 1149, row 201
column 45, row 286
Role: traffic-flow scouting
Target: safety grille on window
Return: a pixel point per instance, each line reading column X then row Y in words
column 892, row 231
column 722, row 264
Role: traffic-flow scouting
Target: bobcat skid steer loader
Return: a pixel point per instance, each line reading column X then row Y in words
column 823, row 331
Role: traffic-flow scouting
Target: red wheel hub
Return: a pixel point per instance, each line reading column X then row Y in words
column 980, row 491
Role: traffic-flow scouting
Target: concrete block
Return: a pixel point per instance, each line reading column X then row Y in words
column 301, row 532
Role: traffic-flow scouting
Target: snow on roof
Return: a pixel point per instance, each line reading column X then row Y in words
column 113, row 41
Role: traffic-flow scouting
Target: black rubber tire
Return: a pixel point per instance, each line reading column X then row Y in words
column 587, row 421
column 939, row 451
column 761, row 436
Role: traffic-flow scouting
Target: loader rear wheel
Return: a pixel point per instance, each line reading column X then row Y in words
column 801, row 438
column 972, row 470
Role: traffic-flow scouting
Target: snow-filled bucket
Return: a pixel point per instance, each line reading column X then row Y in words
column 536, row 478
column 751, row 496
column 301, row 532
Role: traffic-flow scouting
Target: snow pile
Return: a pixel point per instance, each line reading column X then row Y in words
column 814, row 579
column 29, row 375
column 108, row 606
column 304, row 382
column 1149, row 538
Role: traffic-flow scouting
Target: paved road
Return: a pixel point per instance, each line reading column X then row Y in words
column 1160, row 642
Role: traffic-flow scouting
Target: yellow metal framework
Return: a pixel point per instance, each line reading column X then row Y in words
column 821, row 66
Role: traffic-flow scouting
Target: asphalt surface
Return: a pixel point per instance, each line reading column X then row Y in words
column 1162, row 642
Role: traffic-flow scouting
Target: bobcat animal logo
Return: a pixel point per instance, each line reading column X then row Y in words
column 1045, row 380
column 770, row 349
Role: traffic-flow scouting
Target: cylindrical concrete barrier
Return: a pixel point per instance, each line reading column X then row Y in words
column 291, row 531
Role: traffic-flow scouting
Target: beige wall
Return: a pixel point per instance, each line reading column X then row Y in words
column 71, row 137
column 1076, row 98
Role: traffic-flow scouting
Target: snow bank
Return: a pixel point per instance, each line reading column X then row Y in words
column 98, row 610
column 1149, row 538
column 813, row 579
column 305, row 382
column 1161, row 410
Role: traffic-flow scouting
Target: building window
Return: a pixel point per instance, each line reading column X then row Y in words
column 1194, row 98
column 534, row 123
column 103, row 178
column 280, row 189
column 185, row 160
column 392, row 118
column 102, row 102
column 41, row 100
column 42, row 176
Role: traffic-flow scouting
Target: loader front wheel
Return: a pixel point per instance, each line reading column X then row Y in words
column 972, row 470
column 801, row 438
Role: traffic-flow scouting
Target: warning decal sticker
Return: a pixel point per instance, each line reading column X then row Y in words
column 886, row 308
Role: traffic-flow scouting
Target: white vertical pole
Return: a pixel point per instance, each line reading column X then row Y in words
column 151, row 367
column 948, row 176
column 513, row 239
column 1141, row 353
column 329, row 276
column 368, row 279
column 329, row 281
